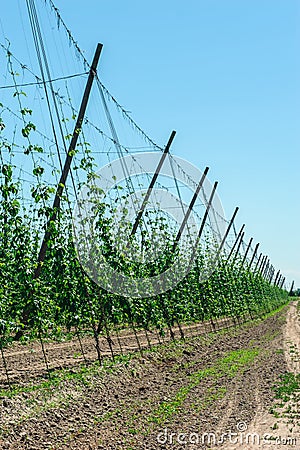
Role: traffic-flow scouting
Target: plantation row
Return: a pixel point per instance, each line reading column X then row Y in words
column 64, row 297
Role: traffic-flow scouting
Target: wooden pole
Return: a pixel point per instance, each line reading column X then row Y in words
column 63, row 178
column 257, row 263
column 207, row 210
column 151, row 185
column 227, row 231
column 276, row 278
column 68, row 161
column 239, row 246
column 263, row 266
column 247, row 251
column 281, row 286
column 292, row 288
column 266, row 269
column 253, row 256
column 191, row 205
column 236, row 241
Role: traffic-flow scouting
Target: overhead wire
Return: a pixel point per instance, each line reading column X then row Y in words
column 37, row 83
column 104, row 90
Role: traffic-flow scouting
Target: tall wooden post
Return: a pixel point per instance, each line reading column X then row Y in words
column 152, row 183
column 266, row 270
column 235, row 242
column 257, row 265
column 262, row 264
column 68, row 161
column 207, row 210
column 247, row 251
column 279, row 280
column 271, row 274
column 63, row 178
column 239, row 246
column 253, row 256
column 227, row 232
column 276, row 278
column 191, row 205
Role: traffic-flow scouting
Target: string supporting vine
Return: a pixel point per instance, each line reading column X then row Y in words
column 64, row 304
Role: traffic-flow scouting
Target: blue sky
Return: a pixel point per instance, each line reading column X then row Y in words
column 226, row 75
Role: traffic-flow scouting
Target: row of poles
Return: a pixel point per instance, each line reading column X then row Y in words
column 263, row 264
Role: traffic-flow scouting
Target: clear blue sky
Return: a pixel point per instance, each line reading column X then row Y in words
column 226, row 75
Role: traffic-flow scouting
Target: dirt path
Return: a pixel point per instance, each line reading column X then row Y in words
column 292, row 339
column 266, row 430
column 180, row 396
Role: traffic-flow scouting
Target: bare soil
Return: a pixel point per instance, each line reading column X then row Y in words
column 27, row 361
column 183, row 395
column 283, row 428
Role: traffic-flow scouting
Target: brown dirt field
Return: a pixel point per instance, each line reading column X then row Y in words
column 167, row 398
column 27, row 362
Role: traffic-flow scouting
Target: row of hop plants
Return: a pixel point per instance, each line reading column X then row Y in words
column 64, row 298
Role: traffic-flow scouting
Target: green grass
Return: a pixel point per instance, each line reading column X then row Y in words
column 287, row 396
column 232, row 363
column 289, row 385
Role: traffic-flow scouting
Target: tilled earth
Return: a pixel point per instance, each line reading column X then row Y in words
column 177, row 395
column 25, row 362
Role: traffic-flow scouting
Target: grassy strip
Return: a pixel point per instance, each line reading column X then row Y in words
column 234, row 362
